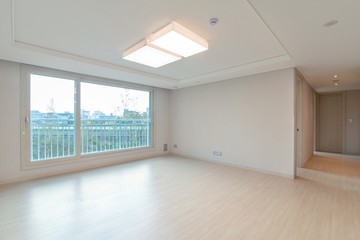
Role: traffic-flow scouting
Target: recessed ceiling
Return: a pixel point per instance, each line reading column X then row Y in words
column 251, row 36
column 321, row 36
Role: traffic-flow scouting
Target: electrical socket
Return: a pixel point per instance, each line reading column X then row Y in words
column 217, row 153
column 175, row 146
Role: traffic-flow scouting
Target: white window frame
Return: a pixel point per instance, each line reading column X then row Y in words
column 26, row 71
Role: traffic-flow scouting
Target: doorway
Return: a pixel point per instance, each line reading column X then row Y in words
column 329, row 122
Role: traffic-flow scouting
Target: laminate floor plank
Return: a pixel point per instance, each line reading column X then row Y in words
column 176, row 198
column 341, row 166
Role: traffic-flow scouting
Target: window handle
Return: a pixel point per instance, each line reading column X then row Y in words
column 27, row 121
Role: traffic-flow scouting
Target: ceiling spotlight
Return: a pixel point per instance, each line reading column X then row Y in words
column 335, row 76
column 336, row 82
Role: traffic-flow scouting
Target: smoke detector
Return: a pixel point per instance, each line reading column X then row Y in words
column 213, row 21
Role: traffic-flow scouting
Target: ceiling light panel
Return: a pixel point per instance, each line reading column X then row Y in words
column 149, row 55
column 177, row 39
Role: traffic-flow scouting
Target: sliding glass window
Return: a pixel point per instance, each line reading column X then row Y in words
column 66, row 116
column 113, row 118
column 52, row 114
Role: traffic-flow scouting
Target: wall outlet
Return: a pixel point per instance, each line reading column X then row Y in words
column 217, row 153
column 175, row 146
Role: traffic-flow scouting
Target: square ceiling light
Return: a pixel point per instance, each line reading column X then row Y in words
column 147, row 54
column 177, row 39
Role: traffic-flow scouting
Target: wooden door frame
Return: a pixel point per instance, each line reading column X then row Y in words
column 299, row 121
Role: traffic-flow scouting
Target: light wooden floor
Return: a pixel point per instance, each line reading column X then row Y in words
column 335, row 165
column 175, row 198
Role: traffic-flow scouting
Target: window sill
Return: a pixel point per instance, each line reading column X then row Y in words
column 93, row 157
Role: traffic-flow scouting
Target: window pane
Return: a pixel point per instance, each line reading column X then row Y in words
column 113, row 118
column 52, row 132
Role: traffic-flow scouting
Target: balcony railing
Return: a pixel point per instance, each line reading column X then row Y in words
column 57, row 138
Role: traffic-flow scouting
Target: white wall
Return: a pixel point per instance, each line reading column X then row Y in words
column 307, row 122
column 10, row 132
column 250, row 120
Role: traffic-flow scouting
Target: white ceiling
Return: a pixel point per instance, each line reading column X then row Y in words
column 252, row 36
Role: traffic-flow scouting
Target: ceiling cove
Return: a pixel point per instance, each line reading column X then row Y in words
column 74, row 40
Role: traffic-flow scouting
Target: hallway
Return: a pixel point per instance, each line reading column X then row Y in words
column 338, row 171
column 339, row 166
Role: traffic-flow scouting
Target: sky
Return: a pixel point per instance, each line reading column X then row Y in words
column 56, row 93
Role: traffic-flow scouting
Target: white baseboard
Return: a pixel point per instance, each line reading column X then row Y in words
column 233, row 165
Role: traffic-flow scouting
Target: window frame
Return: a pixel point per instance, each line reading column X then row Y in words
column 25, row 75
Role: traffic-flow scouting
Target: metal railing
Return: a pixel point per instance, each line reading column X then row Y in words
column 56, row 139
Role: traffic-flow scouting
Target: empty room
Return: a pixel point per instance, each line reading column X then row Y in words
column 163, row 120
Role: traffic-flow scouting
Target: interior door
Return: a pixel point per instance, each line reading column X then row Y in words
column 330, row 123
column 352, row 123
